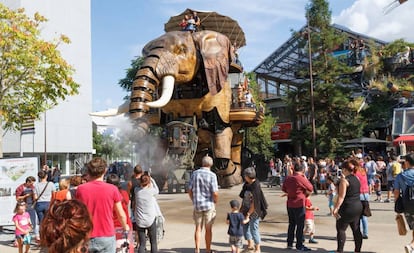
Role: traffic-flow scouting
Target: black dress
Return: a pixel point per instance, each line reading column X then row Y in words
column 351, row 207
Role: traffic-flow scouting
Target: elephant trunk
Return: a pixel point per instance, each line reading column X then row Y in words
column 159, row 64
column 142, row 89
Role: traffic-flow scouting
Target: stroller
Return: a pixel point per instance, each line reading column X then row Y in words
column 123, row 241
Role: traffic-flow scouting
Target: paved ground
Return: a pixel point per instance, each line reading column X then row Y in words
column 177, row 209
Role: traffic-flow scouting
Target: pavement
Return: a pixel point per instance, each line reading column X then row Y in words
column 179, row 227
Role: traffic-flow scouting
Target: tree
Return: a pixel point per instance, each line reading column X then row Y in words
column 112, row 146
column 335, row 117
column 33, row 75
column 258, row 138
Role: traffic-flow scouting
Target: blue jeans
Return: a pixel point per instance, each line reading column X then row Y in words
column 102, row 245
column 364, row 219
column 251, row 230
column 296, row 220
column 33, row 219
column 41, row 209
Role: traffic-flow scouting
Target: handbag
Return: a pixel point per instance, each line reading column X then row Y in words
column 366, row 210
column 399, row 205
column 402, row 229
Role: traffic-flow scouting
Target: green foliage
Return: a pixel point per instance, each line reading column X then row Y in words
column 33, row 75
column 258, row 138
column 395, row 47
column 379, row 111
column 110, row 146
column 126, row 83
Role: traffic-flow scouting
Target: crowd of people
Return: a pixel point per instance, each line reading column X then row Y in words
column 74, row 218
column 347, row 183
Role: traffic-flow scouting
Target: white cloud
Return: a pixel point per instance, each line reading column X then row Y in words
column 367, row 17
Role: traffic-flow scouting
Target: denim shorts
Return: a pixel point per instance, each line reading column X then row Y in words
column 236, row 241
column 26, row 239
column 102, row 245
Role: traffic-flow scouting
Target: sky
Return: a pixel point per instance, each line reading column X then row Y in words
column 121, row 28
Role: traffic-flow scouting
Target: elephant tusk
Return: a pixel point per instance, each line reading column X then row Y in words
column 167, row 92
column 112, row 112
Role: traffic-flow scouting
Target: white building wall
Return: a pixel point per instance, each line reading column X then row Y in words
column 68, row 125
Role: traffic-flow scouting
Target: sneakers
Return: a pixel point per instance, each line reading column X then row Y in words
column 303, row 248
column 387, row 201
column 289, row 247
column 312, row 240
column 365, row 237
column 408, row 248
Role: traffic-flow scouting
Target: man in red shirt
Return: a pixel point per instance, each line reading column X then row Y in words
column 296, row 187
column 101, row 199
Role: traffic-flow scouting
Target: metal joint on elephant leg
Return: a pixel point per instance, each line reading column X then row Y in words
column 223, row 172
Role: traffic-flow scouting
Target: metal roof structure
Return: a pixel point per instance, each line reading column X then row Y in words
column 284, row 63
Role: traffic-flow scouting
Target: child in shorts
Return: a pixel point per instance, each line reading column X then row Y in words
column 377, row 187
column 23, row 225
column 331, row 193
column 310, row 219
column 235, row 219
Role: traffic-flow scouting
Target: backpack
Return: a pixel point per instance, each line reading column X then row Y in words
column 408, row 198
column 396, row 168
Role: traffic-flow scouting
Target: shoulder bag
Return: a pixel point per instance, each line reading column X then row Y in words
column 40, row 195
column 402, row 229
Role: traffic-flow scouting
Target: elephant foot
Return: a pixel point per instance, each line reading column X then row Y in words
column 230, row 176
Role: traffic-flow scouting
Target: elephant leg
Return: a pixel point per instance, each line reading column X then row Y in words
column 228, row 173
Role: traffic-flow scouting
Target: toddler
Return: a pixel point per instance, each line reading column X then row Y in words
column 331, row 193
column 377, row 187
column 322, row 179
column 23, row 225
column 235, row 219
column 310, row 219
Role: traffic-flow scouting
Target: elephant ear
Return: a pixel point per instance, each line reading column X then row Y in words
column 215, row 50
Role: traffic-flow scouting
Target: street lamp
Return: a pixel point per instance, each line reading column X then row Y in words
column 311, row 87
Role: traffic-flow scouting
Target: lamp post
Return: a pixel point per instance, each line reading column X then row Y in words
column 45, row 154
column 311, row 88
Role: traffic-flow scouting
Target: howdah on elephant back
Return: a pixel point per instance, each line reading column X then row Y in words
column 185, row 75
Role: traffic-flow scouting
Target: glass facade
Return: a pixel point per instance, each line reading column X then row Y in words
column 403, row 121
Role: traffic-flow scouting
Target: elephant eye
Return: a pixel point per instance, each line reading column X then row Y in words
column 181, row 49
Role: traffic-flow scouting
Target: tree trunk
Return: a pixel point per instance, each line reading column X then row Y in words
column 1, row 136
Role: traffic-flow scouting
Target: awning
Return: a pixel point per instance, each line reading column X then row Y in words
column 407, row 139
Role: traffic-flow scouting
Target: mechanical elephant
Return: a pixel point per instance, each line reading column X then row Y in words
column 185, row 76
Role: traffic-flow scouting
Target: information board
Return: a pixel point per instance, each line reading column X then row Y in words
column 13, row 172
